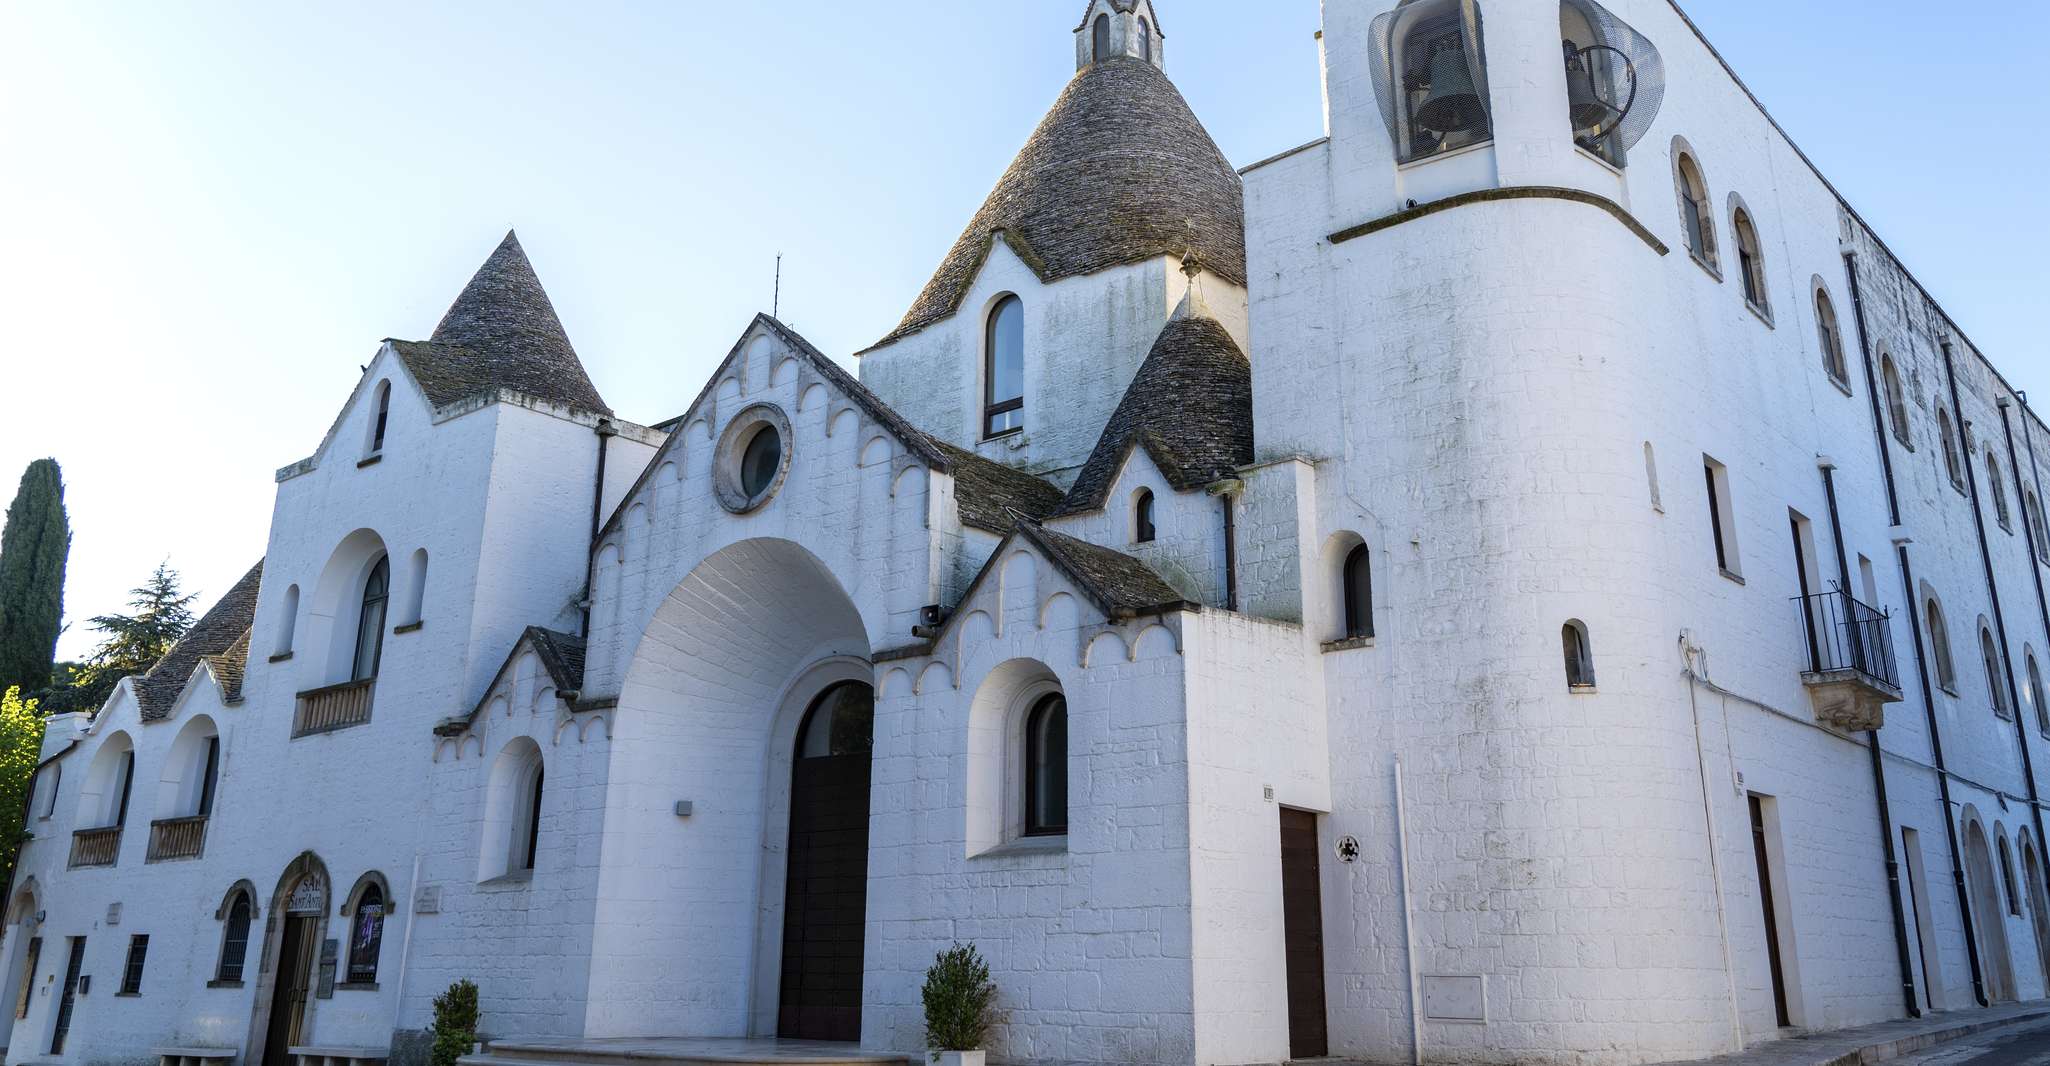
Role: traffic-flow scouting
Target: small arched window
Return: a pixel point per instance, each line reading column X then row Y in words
column 1989, row 655
column 529, row 842
column 1004, row 369
column 1750, row 259
column 1939, row 646
column 1145, row 40
column 1142, row 517
column 1831, row 338
column 1579, row 655
column 1356, row 592
column 2035, row 682
column 288, row 621
column 366, row 934
column 1046, row 767
column 1099, row 39
column 1697, row 219
column 370, row 621
column 1998, row 490
column 1953, row 461
column 380, row 415
column 2032, row 513
column 1896, row 402
column 235, row 939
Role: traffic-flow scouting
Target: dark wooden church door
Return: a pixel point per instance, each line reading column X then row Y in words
column 825, row 891
column 1302, row 930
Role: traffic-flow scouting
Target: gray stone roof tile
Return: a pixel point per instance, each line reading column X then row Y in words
column 1123, row 587
column 1118, row 172
column 992, row 496
column 214, row 637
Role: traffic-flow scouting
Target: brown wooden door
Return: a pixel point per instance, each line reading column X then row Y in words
column 1302, row 922
column 825, row 893
column 1772, row 929
column 288, row 998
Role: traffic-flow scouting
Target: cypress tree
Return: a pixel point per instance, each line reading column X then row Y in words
column 33, row 548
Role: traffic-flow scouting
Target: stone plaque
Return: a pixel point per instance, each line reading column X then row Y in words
column 427, row 900
column 328, row 950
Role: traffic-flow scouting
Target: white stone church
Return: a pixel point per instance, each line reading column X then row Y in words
column 1524, row 577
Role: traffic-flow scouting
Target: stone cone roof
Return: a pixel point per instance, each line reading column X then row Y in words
column 502, row 332
column 1120, row 171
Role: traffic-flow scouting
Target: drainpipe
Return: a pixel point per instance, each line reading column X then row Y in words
column 2021, row 729
column 2014, row 700
column 605, row 431
column 1893, row 500
column 1893, row 867
column 1957, row 869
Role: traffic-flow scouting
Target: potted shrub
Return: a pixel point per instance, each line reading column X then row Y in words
column 455, row 1024
column 958, row 995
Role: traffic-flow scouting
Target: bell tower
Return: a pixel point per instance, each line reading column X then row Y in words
column 1112, row 28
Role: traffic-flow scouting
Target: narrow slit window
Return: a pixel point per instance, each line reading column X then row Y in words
column 1896, row 403
column 1939, row 646
column 2035, row 682
column 1998, row 490
column 1831, row 339
column 1989, row 654
column 1579, row 655
column 370, row 621
column 1142, row 517
column 1953, row 465
column 1046, row 767
column 131, row 974
column 380, row 417
column 1721, row 522
column 1356, row 593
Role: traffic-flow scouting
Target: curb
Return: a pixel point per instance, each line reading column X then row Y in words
column 1911, row 1043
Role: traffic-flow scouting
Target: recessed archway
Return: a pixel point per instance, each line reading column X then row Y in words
column 293, row 930
column 1987, row 912
column 709, row 714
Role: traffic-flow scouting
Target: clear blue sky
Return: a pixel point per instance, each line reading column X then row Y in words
column 210, row 213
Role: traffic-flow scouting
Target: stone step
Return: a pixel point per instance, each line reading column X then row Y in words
column 676, row 1051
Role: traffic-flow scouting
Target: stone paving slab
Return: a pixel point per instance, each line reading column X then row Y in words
column 1881, row 1042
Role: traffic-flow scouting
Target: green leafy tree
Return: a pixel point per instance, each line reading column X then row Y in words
column 33, row 549
column 136, row 641
column 21, row 746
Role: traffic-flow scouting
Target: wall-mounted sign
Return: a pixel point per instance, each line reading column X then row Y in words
column 326, row 988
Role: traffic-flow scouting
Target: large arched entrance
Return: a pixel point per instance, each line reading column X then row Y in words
column 291, row 946
column 1988, row 913
column 825, row 886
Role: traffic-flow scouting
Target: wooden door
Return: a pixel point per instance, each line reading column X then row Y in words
column 68, row 995
column 1302, row 921
column 1772, row 922
column 288, row 998
column 825, row 893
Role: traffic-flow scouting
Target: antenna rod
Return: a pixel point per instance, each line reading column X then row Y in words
column 776, row 301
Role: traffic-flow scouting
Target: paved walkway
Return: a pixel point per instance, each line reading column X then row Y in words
column 1879, row 1043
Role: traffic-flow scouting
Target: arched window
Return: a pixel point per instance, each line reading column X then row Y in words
column 56, row 783
column 1099, row 39
column 1953, row 461
column 380, row 414
column 288, row 621
column 1579, row 655
column 1998, row 490
column 416, row 588
column 1939, row 646
column 209, row 776
column 2032, row 513
column 2014, row 898
column 1432, row 82
column 1831, row 338
column 2035, row 682
column 127, row 771
column 1004, row 365
column 1356, row 592
column 1750, row 259
column 1142, row 517
column 1697, row 218
column 1896, row 402
column 370, row 621
column 1046, row 767
column 235, row 939
column 366, row 933
column 1145, row 40
column 1989, row 655
column 530, row 820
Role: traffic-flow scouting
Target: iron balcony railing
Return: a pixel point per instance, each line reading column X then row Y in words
column 177, row 838
column 1844, row 634
column 323, row 710
column 95, row 847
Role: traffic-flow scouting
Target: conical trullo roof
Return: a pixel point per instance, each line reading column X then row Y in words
column 1118, row 172
column 502, row 332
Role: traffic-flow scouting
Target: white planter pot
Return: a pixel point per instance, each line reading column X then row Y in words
column 956, row 1058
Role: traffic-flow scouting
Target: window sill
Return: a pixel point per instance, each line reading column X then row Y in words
column 1348, row 644
column 506, row 882
column 1580, row 690
column 1841, row 385
column 356, row 986
column 1731, row 574
column 1961, row 490
column 409, row 627
column 127, row 995
column 224, row 984
column 1764, row 314
column 1908, row 444
column 1436, row 156
column 1039, row 845
column 2007, row 529
column 1707, row 266
column 1947, row 690
column 371, row 460
column 280, row 657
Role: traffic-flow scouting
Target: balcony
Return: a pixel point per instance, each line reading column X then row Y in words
column 1851, row 674
column 324, row 710
column 95, row 847
column 176, row 838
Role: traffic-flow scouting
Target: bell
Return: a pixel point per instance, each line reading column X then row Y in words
column 1451, row 106
column 1586, row 107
